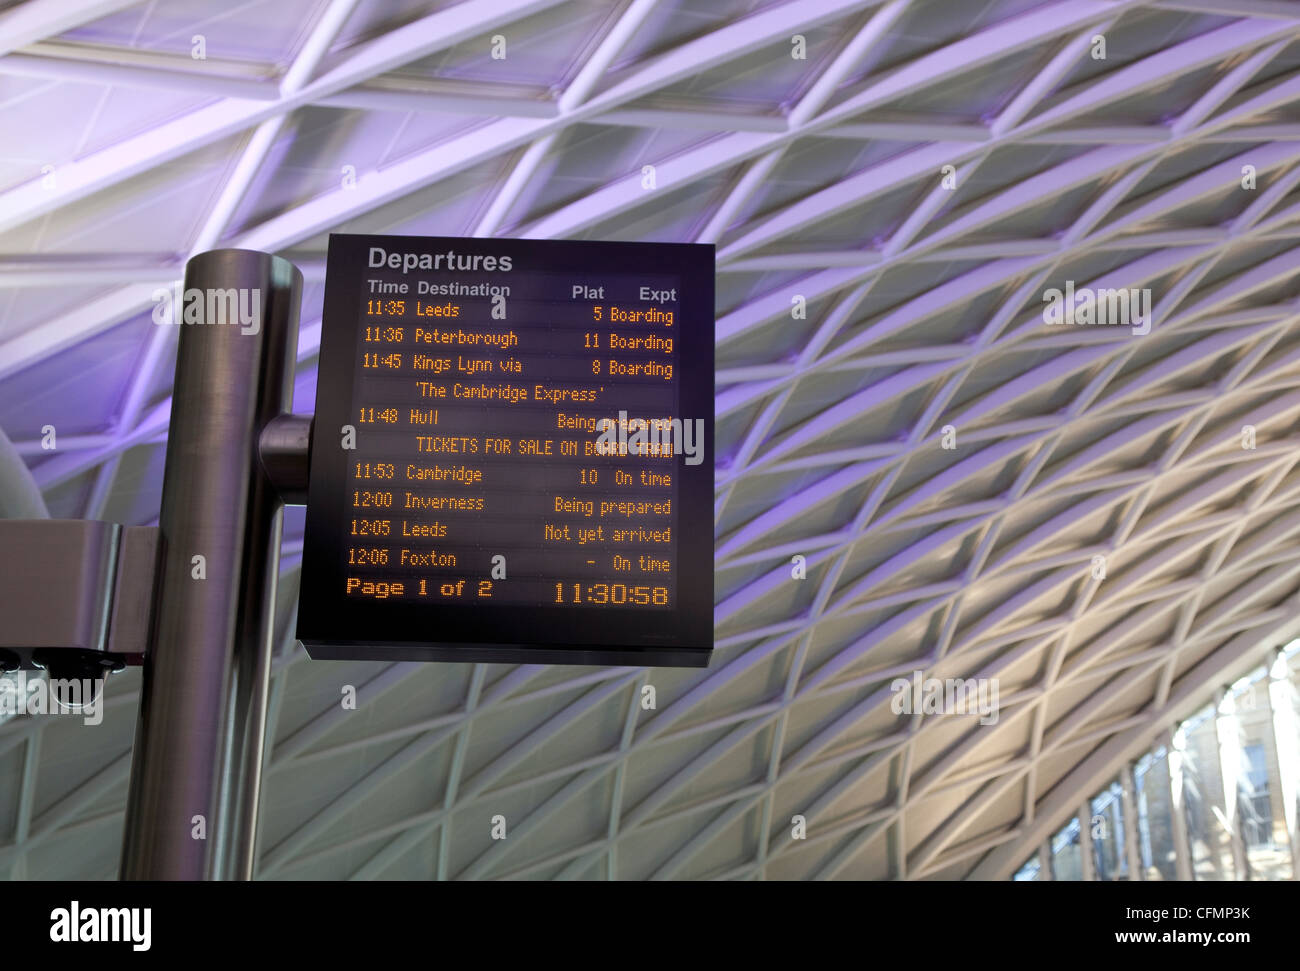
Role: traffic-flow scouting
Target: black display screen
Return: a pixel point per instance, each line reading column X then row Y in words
column 512, row 456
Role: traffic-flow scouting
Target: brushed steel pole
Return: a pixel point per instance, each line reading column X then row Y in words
column 195, row 776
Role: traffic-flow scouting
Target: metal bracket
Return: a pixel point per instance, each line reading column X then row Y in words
column 285, row 449
column 79, row 599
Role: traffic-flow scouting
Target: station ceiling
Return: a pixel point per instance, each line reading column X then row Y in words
column 1101, row 521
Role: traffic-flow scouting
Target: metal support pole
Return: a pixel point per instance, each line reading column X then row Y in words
column 1129, row 803
column 195, row 778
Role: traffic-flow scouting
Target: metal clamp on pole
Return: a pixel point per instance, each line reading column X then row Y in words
column 196, row 774
column 285, row 447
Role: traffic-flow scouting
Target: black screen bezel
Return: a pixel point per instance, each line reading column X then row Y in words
column 333, row 626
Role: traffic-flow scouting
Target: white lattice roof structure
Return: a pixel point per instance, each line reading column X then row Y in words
column 949, row 466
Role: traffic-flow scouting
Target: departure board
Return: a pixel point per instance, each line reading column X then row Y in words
column 512, row 453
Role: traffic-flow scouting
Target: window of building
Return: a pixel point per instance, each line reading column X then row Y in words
column 1155, row 822
column 1067, row 858
column 1108, row 849
column 1251, row 743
